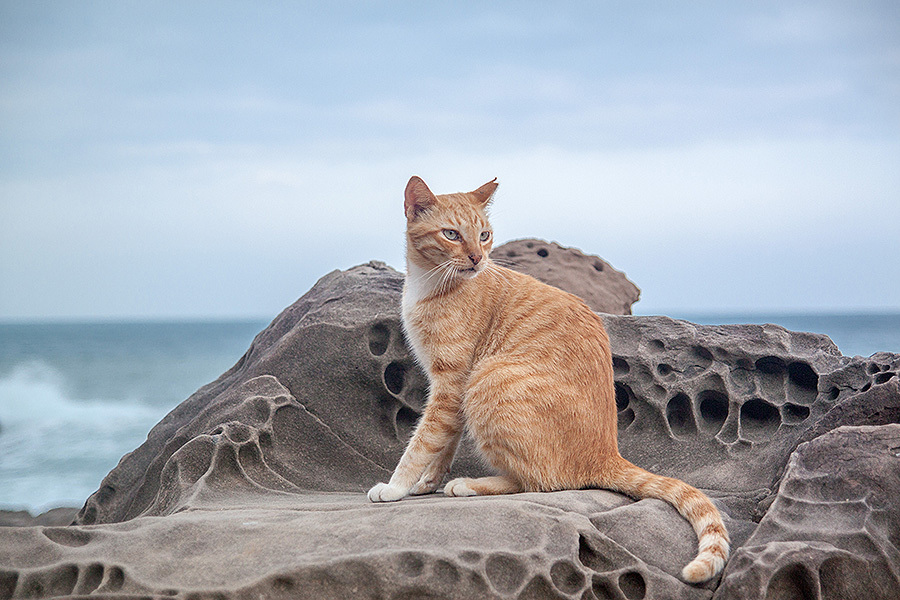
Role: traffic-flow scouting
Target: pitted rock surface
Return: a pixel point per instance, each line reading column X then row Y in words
column 254, row 485
column 589, row 277
column 834, row 528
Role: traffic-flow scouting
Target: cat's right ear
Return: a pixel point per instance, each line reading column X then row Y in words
column 417, row 198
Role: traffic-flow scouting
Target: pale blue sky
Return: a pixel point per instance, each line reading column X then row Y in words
column 213, row 159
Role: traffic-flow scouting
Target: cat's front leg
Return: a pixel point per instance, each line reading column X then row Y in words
column 436, row 432
column 433, row 476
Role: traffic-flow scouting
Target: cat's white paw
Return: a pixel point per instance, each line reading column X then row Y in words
column 385, row 492
column 458, row 487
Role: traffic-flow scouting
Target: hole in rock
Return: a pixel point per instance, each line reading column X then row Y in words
column 406, row 421
column 883, row 377
column 115, row 579
column 803, row 376
column 664, row 369
column 394, row 377
column 866, row 387
column 702, row 356
column 261, row 409
column 506, row 573
column 62, row 581
column 759, row 419
column 620, row 366
column 657, row 345
column 604, row 589
column 93, row 577
column 588, row 556
column 833, row 393
column 872, row 368
column 793, row 581
column 625, row 418
column 66, row 536
column 543, row 253
column 32, row 588
column 239, row 433
column 624, row 396
column 249, row 457
column 445, row 573
column 713, row 409
column 411, row 564
column 771, row 365
column 633, row 585
column 566, row 577
column 680, row 415
column 598, row 266
column 794, row 413
column 8, row 581
column 379, row 338
column 529, row 245
column 847, row 577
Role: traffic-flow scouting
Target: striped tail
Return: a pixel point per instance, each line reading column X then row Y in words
column 690, row 502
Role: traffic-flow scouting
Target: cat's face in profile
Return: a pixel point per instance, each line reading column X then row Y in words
column 448, row 234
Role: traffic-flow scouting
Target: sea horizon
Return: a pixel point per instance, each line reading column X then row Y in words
column 77, row 395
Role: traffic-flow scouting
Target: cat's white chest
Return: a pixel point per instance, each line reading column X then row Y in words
column 414, row 290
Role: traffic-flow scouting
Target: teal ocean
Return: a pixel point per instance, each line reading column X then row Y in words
column 76, row 397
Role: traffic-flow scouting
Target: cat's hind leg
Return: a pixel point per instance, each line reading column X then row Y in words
column 483, row 486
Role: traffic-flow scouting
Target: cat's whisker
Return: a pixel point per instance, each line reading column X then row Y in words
column 503, row 261
column 497, row 272
column 446, row 278
column 437, row 270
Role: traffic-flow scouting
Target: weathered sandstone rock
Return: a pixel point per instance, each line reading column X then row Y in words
column 254, row 485
column 834, row 527
column 591, row 278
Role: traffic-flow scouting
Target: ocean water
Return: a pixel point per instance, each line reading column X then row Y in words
column 860, row 334
column 75, row 398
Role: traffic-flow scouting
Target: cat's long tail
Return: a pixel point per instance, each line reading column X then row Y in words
column 691, row 503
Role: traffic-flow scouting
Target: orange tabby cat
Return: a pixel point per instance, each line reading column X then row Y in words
column 525, row 367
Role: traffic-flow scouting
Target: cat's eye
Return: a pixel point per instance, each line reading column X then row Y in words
column 485, row 236
column 451, row 234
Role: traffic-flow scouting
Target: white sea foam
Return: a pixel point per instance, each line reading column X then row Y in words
column 54, row 448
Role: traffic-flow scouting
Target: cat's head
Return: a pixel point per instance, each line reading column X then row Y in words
column 449, row 234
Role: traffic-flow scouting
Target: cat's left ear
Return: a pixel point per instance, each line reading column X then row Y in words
column 484, row 194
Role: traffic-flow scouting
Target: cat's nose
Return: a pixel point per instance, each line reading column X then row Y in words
column 475, row 258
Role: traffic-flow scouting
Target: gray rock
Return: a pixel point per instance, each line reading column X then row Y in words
column 52, row 517
column 591, row 278
column 253, row 486
column 832, row 531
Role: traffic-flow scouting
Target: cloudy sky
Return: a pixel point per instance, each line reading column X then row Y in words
column 213, row 159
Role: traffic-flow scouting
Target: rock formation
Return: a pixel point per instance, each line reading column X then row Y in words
column 591, row 278
column 254, row 485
